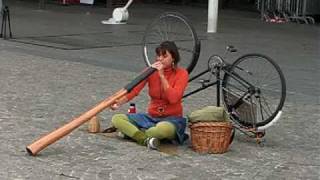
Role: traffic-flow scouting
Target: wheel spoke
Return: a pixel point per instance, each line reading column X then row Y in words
column 237, row 87
column 266, row 104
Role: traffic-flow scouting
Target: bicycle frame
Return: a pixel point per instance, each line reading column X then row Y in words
column 216, row 69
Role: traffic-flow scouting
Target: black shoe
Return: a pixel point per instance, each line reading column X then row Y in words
column 110, row 129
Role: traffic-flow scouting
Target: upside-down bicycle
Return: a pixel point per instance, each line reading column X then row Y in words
column 253, row 87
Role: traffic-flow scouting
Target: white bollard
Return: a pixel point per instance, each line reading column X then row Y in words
column 212, row 15
column 119, row 15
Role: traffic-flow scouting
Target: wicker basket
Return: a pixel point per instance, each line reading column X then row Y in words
column 210, row 137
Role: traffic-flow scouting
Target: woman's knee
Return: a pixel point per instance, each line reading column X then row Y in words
column 162, row 130
column 117, row 118
column 166, row 127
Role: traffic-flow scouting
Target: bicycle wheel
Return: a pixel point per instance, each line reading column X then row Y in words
column 172, row 26
column 254, row 90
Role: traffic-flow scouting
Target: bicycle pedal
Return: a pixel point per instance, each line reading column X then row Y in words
column 204, row 81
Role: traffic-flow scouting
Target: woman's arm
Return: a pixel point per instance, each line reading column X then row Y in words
column 129, row 96
column 175, row 94
column 136, row 90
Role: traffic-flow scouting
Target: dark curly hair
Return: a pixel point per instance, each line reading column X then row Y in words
column 171, row 47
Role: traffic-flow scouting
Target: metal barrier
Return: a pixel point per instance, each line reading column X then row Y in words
column 288, row 10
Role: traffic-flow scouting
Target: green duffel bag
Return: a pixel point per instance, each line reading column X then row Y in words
column 209, row 114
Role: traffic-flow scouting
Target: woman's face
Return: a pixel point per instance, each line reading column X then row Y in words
column 166, row 59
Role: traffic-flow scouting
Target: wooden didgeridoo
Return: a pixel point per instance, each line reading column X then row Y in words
column 55, row 135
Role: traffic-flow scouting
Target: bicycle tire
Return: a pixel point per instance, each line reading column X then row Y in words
column 172, row 26
column 267, row 78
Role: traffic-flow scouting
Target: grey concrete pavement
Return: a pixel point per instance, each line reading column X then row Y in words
column 78, row 62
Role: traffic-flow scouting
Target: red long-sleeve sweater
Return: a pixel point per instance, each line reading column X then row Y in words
column 168, row 102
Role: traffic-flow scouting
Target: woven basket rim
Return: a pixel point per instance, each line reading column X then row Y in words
column 201, row 124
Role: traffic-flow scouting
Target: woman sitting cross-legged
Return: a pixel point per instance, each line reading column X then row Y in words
column 164, row 119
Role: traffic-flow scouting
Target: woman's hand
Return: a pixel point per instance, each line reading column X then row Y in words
column 117, row 103
column 159, row 66
column 114, row 106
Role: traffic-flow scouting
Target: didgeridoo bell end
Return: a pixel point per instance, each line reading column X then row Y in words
column 30, row 152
